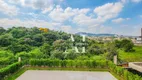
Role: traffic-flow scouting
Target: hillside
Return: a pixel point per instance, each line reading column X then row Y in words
column 39, row 43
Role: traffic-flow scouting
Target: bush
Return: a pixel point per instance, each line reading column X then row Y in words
column 126, row 44
column 10, row 69
column 123, row 72
column 23, row 55
column 6, row 61
column 69, row 63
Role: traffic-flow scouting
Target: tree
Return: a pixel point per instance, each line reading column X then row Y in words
column 57, row 54
column 18, row 32
column 6, row 57
column 5, row 40
column 117, row 43
column 127, row 45
column 2, row 30
column 44, row 30
column 37, row 53
column 71, row 54
column 15, row 48
column 38, row 40
column 50, row 37
column 46, row 49
column 95, row 49
column 24, row 55
column 60, row 45
column 111, row 51
column 4, row 54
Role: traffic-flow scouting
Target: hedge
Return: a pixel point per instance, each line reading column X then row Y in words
column 10, row 69
column 6, row 61
column 125, row 74
column 69, row 63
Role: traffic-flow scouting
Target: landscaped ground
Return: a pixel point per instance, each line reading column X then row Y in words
column 135, row 56
column 65, row 75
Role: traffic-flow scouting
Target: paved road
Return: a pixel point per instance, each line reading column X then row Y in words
column 65, row 75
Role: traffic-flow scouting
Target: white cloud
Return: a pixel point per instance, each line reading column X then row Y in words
column 119, row 20
column 60, row 15
column 7, row 23
column 104, row 29
column 14, row 1
column 136, row 1
column 37, row 4
column 47, row 9
column 128, row 18
column 67, row 28
column 103, row 13
column 84, row 20
column 123, row 1
column 44, row 5
column 109, row 10
column 140, row 16
column 8, row 9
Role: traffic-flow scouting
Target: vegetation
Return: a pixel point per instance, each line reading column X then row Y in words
column 125, row 44
column 10, row 69
column 44, row 47
column 131, row 56
column 39, row 43
column 70, row 65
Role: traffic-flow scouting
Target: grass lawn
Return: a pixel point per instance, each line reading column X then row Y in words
column 21, row 71
column 135, row 56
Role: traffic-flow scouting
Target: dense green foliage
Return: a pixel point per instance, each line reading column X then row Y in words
column 55, row 49
column 30, row 43
column 10, row 69
column 69, row 63
column 6, row 57
column 125, row 44
column 126, row 75
column 123, row 73
column 131, row 56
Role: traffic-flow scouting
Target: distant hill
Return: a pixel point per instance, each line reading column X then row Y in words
column 95, row 35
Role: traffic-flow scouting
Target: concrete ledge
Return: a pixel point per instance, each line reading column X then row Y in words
column 65, row 75
column 136, row 65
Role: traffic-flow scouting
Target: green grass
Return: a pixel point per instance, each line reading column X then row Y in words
column 21, row 71
column 135, row 56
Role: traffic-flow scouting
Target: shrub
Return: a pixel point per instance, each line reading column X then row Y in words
column 10, row 69
column 68, row 63
column 123, row 72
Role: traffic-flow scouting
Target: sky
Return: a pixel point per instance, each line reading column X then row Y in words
column 122, row 17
